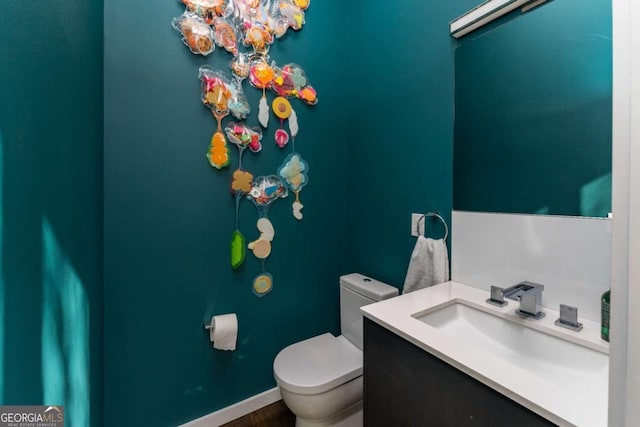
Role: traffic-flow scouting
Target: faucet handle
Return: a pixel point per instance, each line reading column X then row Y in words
column 569, row 318
column 497, row 296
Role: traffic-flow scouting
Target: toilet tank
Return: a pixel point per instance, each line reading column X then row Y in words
column 357, row 290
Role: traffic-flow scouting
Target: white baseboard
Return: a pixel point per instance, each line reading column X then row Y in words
column 237, row 410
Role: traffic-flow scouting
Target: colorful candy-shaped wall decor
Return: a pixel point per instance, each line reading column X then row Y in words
column 294, row 171
column 256, row 22
column 196, row 34
column 246, row 30
column 265, row 191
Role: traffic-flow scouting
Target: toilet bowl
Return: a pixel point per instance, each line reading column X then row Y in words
column 320, row 379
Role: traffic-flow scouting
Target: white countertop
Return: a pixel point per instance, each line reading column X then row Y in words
column 588, row 408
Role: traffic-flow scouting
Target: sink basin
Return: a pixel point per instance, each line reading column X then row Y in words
column 570, row 366
column 561, row 375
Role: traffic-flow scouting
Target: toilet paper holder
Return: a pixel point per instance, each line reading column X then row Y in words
column 223, row 331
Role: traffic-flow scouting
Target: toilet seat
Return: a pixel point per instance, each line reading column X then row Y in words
column 317, row 364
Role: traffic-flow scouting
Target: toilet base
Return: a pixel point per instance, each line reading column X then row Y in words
column 338, row 407
column 349, row 417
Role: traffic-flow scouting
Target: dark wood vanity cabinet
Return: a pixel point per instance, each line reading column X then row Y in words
column 406, row 386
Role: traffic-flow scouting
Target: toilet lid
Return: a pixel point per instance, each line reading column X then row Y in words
column 318, row 364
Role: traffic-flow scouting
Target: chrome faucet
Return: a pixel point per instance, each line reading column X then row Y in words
column 530, row 296
column 497, row 297
column 569, row 318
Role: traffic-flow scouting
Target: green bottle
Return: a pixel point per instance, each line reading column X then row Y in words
column 604, row 325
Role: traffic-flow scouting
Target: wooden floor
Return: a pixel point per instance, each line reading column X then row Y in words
column 274, row 415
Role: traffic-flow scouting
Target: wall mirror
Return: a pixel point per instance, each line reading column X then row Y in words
column 532, row 129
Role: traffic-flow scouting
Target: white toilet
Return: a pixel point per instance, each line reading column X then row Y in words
column 320, row 379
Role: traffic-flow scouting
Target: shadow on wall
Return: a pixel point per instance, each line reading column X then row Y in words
column 64, row 333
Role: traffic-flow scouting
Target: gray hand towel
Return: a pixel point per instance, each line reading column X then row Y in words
column 429, row 264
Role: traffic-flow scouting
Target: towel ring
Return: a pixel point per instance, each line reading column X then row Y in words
column 434, row 214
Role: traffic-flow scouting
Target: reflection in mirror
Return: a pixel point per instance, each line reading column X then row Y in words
column 533, row 113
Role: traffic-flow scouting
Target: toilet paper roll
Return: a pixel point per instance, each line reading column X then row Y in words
column 224, row 331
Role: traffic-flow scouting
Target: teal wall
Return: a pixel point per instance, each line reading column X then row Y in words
column 533, row 113
column 402, row 129
column 51, row 206
column 378, row 144
column 168, row 219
